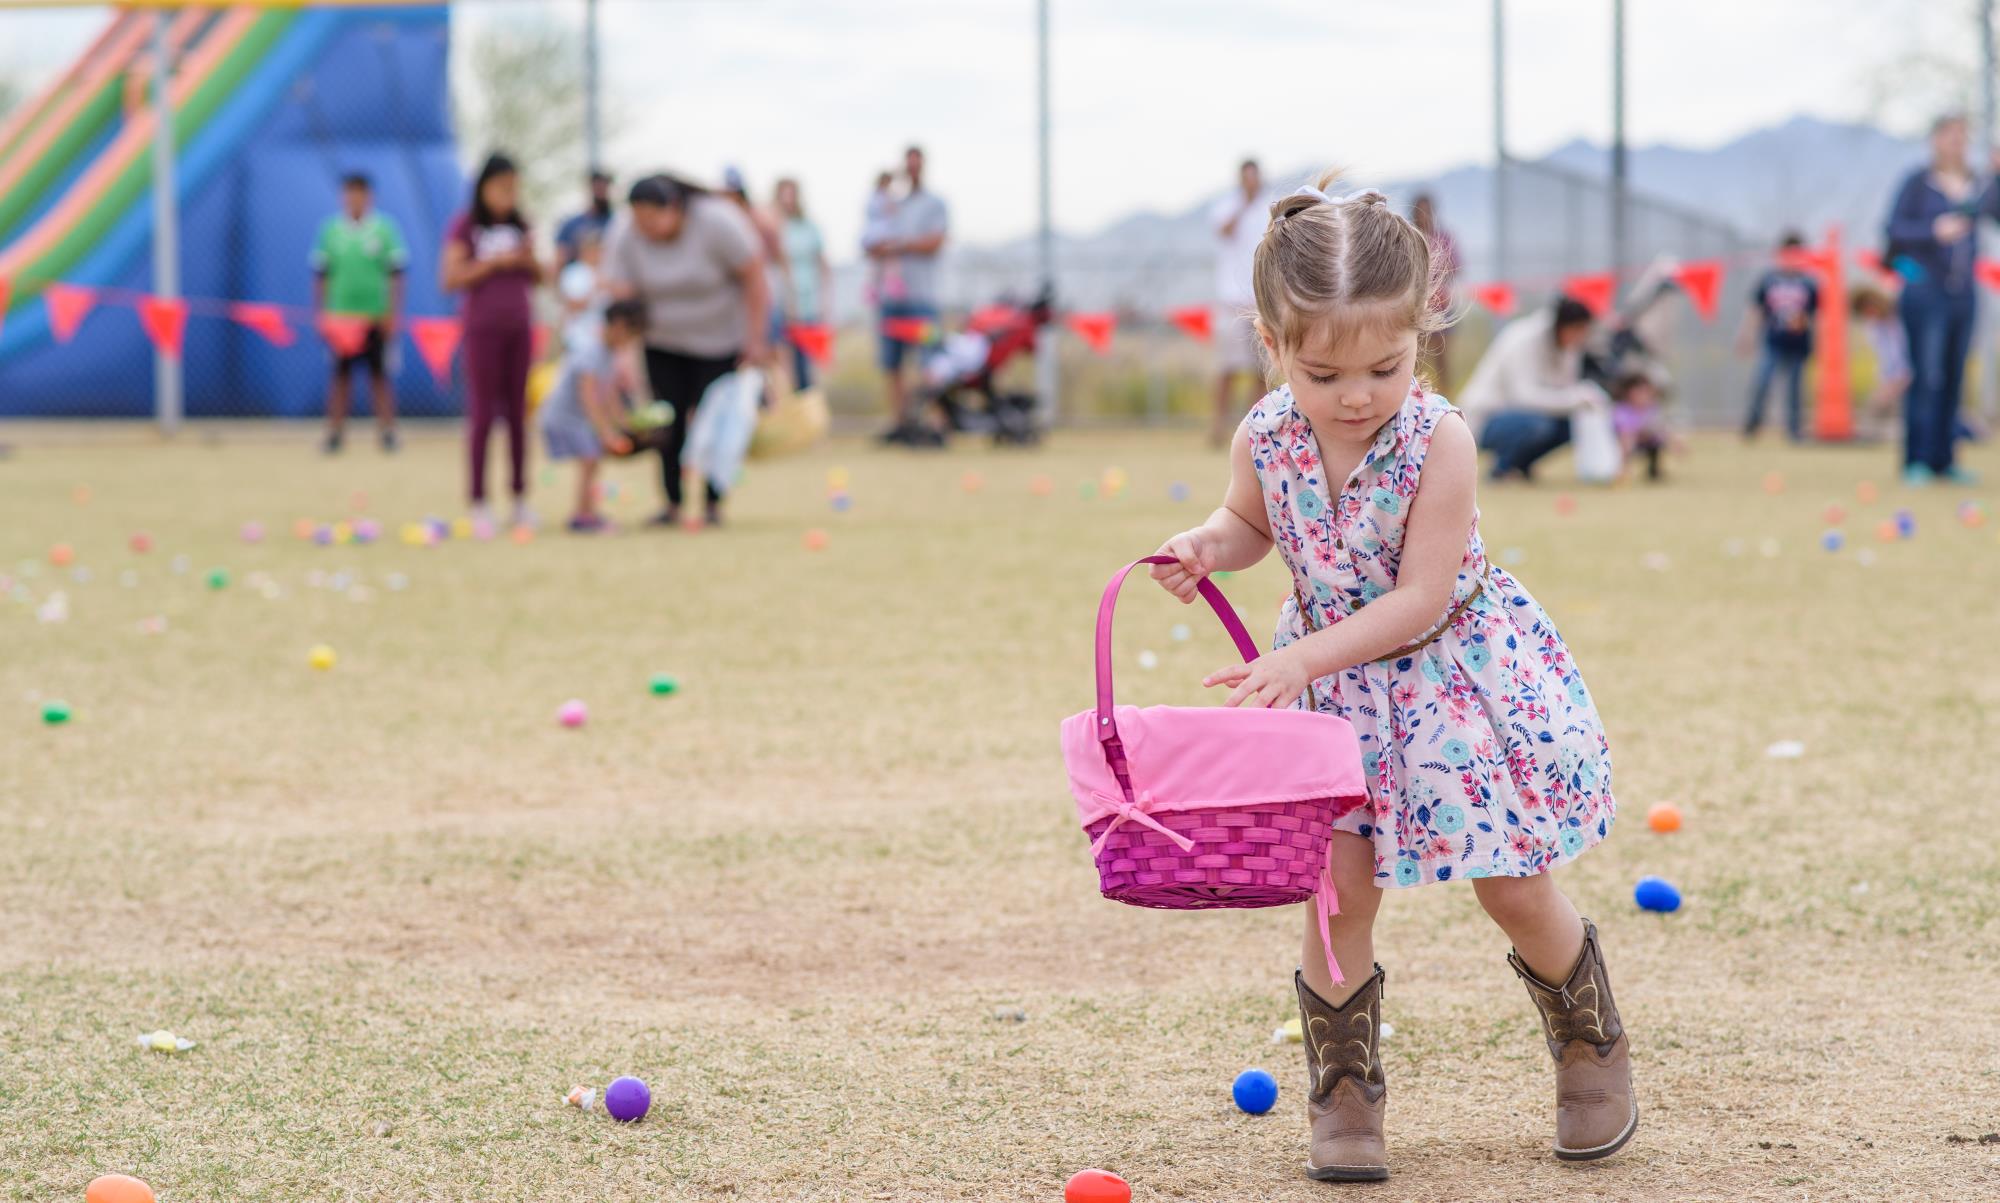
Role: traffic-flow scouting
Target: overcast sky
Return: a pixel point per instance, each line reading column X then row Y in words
column 1156, row 100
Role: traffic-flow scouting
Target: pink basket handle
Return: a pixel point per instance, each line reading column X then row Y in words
column 1107, row 729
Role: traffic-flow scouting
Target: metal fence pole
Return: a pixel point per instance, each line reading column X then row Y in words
column 167, row 398
column 1501, row 265
column 1046, row 383
column 593, row 127
column 1620, row 184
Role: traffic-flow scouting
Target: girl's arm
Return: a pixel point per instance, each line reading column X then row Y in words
column 1235, row 536
column 1433, row 550
column 459, row 270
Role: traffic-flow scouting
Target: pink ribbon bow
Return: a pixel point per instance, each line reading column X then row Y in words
column 1135, row 811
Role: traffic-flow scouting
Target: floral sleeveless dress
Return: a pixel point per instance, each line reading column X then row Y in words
column 1483, row 754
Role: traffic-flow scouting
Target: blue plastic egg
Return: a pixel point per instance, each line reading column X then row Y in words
column 1832, row 540
column 1256, row 1091
column 1656, row 894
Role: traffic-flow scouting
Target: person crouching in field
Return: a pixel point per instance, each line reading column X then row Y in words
column 1885, row 334
column 580, row 418
column 1642, row 429
column 1483, row 754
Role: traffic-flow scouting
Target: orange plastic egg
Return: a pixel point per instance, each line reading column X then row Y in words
column 1664, row 817
column 117, row 1188
column 60, row 555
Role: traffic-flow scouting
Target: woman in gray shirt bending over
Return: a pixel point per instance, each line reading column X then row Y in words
column 694, row 261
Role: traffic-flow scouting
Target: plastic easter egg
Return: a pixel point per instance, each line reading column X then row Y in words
column 61, row 554
column 321, row 657
column 1774, row 483
column 663, row 685
column 837, row 479
column 55, row 714
column 1906, row 524
column 1096, row 1186
column 815, row 540
column 1835, row 515
column 117, row 1188
column 1041, row 486
column 1255, row 1091
column 1177, row 492
column 572, row 713
column 142, row 542
column 1865, row 491
column 841, row 503
column 1833, row 540
column 627, row 1100
column 218, row 578
column 1565, row 505
column 971, row 482
column 1664, row 817
column 1656, row 894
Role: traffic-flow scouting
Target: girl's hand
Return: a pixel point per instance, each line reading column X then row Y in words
column 1196, row 559
column 1274, row 680
column 615, row 442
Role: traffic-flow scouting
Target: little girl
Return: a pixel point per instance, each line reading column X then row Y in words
column 580, row 418
column 1484, row 756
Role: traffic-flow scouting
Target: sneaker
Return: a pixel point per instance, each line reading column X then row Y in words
column 671, row 516
column 332, row 444
column 522, row 515
column 482, row 515
column 390, row 443
column 587, row 524
column 1960, row 476
column 1917, row 476
column 712, row 517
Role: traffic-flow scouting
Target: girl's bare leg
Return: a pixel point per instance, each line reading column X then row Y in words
column 1350, row 861
column 1539, row 918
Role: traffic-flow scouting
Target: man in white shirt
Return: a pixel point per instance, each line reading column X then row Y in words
column 1520, row 398
column 1238, row 220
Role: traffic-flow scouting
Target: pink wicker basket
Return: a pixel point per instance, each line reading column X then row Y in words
column 1191, row 808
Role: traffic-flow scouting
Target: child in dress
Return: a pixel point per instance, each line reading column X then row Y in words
column 580, row 287
column 580, row 415
column 1484, row 756
column 1642, row 430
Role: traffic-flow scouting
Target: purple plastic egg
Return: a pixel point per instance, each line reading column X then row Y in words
column 627, row 1099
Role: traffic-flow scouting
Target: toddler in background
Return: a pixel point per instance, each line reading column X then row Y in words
column 581, row 289
column 1641, row 427
column 879, row 226
column 580, row 418
column 1884, row 330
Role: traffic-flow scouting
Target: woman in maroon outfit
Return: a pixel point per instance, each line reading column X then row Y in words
column 489, row 256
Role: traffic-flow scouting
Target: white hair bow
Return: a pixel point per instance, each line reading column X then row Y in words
column 1316, row 194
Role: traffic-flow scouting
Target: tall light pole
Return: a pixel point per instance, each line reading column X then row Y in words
column 593, row 129
column 1620, row 184
column 1501, row 265
column 167, row 382
column 1046, row 385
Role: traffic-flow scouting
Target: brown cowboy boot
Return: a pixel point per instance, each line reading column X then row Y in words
column 1345, row 1093
column 1596, row 1112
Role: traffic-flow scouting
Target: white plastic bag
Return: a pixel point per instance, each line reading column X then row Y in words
column 1598, row 458
column 719, row 432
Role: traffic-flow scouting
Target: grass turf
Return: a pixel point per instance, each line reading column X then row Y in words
column 403, row 911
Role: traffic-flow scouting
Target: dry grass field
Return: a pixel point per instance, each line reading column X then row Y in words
column 403, row 911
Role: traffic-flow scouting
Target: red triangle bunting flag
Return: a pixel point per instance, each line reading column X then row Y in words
column 345, row 333
column 1194, row 321
column 267, row 320
column 1702, row 281
column 165, row 322
column 68, row 305
column 1595, row 290
column 1988, row 271
column 1497, row 299
column 437, row 341
column 1094, row 329
column 813, row 339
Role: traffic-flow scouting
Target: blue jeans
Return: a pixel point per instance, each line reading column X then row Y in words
column 893, row 349
column 1518, row 438
column 1939, row 324
column 1792, row 364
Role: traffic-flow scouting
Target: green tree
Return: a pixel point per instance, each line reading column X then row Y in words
column 521, row 92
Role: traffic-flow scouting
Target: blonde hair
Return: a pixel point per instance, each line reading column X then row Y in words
column 1343, row 264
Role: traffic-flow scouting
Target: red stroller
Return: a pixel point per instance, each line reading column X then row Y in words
column 959, row 376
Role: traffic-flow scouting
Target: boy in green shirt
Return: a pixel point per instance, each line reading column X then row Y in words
column 358, row 265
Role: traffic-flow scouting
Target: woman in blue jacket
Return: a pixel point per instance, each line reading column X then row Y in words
column 1933, row 243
